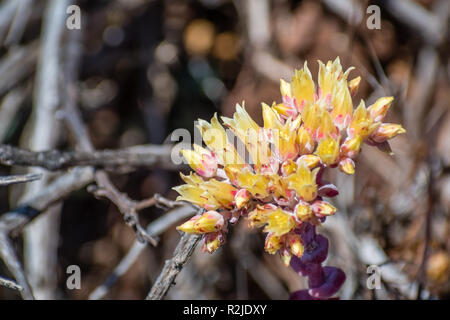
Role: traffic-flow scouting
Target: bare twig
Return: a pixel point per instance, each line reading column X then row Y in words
column 31, row 206
column 125, row 205
column 9, row 107
column 137, row 156
column 425, row 23
column 11, row 260
column 105, row 187
column 172, row 267
column 8, row 180
column 155, row 228
column 17, row 65
column 23, row 12
column 10, row 284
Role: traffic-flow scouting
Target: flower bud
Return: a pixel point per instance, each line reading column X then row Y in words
column 378, row 110
column 212, row 241
column 209, row 221
column 353, row 85
column 273, row 243
column 323, row 208
column 351, row 147
column 347, row 166
column 203, row 161
column 295, row 245
column 288, row 167
column 386, row 131
column 303, row 212
column 310, row 160
column 189, row 226
column 286, row 256
column 241, row 198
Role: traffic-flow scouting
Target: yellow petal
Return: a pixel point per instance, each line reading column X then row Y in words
column 328, row 151
column 303, row 182
column 387, row 131
column 279, row 222
column 378, row 110
column 209, row 221
column 302, row 85
column 353, row 85
column 323, row 208
column 347, row 166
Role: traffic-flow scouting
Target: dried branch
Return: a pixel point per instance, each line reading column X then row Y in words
column 425, row 23
column 155, row 228
column 125, row 205
column 137, row 156
column 106, row 188
column 12, row 262
column 8, row 180
column 10, row 284
column 17, row 65
column 31, row 206
column 172, row 267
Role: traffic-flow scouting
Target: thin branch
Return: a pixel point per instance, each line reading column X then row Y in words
column 125, row 205
column 31, row 206
column 172, row 267
column 105, row 188
column 138, row 156
column 11, row 260
column 10, row 284
column 8, row 180
column 155, row 228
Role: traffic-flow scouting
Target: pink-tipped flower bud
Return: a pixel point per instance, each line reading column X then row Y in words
column 347, row 166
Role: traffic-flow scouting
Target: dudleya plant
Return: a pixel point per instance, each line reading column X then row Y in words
column 276, row 180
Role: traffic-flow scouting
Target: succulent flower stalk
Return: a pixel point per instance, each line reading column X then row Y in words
column 276, row 183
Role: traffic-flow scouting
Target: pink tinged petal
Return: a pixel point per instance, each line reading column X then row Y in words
column 328, row 190
column 323, row 208
column 334, row 278
column 347, row 166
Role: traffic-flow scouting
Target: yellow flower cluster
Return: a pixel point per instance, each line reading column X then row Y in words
column 274, row 179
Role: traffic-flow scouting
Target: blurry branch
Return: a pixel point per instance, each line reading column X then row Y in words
column 32, row 205
column 172, row 267
column 349, row 10
column 6, row 181
column 7, row 9
column 257, row 20
column 426, row 72
column 155, row 228
column 9, row 107
column 126, row 206
column 42, row 132
column 17, row 65
column 256, row 269
column 12, row 262
column 24, row 8
column 368, row 252
column 10, row 284
column 425, row 23
column 147, row 156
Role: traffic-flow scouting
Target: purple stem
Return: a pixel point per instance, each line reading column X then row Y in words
column 323, row 281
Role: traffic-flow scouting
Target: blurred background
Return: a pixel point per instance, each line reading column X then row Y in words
column 143, row 68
